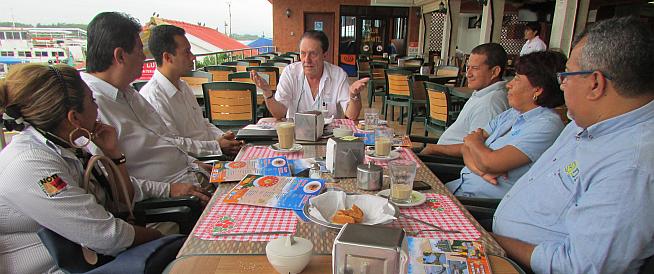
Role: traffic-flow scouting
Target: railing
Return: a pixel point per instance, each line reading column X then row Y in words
column 216, row 58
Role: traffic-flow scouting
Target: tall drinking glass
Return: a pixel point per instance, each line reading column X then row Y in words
column 286, row 134
column 383, row 141
column 402, row 174
column 371, row 118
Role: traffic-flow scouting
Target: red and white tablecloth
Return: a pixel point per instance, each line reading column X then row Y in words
column 256, row 152
column 234, row 218
column 441, row 211
column 404, row 155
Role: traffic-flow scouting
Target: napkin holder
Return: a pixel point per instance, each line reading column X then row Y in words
column 369, row 249
column 344, row 154
column 309, row 125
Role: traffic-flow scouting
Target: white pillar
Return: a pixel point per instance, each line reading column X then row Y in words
column 497, row 8
column 448, row 47
column 569, row 18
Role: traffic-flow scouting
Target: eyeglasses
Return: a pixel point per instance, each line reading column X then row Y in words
column 562, row 75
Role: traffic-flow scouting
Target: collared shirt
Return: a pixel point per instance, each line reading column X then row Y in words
column 293, row 91
column 533, row 45
column 482, row 106
column 587, row 202
column 40, row 186
column 151, row 153
column 182, row 114
column 531, row 132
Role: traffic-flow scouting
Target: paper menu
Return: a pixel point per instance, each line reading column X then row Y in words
column 446, row 256
column 224, row 171
column 274, row 191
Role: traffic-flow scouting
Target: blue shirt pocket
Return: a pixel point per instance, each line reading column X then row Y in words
column 559, row 197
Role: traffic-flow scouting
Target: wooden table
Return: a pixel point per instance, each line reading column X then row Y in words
column 251, row 255
column 237, row 264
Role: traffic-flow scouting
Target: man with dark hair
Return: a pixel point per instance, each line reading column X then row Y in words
column 313, row 84
column 484, row 71
column 115, row 58
column 174, row 100
column 586, row 205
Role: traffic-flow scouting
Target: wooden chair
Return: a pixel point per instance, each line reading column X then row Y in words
column 400, row 93
column 379, row 60
column 287, row 60
column 272, row 72
column 377, row 83
column 279, row 65
column 239, row 65
column 195, row 79
column 251, row 62
column 439, row 108
column 138, row 84
column 258, row 57
column 220, row 72
column 231, row 103
column 363, row 68
column 294, row 55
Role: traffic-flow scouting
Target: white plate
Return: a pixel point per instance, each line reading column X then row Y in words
column 391, row 156
column 275, row 147
column 417, row 198
column 307, row 206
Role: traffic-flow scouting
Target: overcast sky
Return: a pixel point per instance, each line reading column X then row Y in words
column 248, row 16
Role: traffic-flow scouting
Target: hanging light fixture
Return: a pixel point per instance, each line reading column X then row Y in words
column 441, row 8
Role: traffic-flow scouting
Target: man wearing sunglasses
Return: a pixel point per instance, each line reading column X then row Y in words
column 586, row 205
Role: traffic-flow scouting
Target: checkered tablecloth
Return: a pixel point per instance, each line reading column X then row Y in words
column 441, row 211
column 256, row 152
column 404, row 155
column 234, row 218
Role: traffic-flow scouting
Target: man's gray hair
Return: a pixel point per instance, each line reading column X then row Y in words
column 621, row 48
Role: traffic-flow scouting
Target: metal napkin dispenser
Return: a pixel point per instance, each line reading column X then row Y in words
column 360, row 249
column 309, row 125
column 343, row 156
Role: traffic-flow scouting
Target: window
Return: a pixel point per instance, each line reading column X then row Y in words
column 6, row 53
column 58, row 53
column 25, row 54
column 41, row 53
column 23, row 35
column 28, row 54
column 10, row 35
column 2, row 35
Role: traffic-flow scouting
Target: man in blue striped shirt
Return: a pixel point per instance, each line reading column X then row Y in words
column 586, row 205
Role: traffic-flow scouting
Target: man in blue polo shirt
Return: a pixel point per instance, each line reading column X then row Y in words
column 586, row 206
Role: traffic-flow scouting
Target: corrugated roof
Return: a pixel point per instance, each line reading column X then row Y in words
column 207, row 34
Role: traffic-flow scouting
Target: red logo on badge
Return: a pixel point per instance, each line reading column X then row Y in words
column 52, row 185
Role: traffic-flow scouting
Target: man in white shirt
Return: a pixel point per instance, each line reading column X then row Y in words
column 484, row 72
column 534, row 43
column 173, row 99
column 115, row 58
column 313, row 84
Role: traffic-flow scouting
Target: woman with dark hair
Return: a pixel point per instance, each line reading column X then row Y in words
column 498, row 154
column 534, row 43
column 42, row 171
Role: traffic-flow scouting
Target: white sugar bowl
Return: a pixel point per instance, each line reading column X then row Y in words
column 289, row 254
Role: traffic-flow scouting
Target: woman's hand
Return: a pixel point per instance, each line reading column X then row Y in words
column 105, row 137
column 478, row 136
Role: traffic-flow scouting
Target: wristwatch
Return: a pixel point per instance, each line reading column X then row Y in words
column 271, row 96
column 120, row 160
column 355, row 97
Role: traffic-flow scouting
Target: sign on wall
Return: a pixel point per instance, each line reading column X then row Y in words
column 317, row 25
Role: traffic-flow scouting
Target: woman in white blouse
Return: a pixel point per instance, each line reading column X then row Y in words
column 534, row 43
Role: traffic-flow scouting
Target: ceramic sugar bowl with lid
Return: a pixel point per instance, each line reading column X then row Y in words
column 289, row 254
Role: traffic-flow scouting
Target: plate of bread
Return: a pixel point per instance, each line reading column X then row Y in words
column 335, row 208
